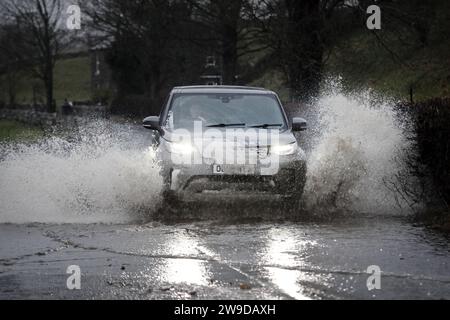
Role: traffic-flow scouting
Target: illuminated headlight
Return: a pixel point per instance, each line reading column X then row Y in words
column 181, row 148
column 285, row 150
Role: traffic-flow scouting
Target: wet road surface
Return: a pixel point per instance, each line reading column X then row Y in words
column 217, row 260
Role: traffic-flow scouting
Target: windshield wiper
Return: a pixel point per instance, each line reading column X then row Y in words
column 266, row 126
column 226, row 125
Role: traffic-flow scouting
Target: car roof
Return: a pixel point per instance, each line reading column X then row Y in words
column 221, row 89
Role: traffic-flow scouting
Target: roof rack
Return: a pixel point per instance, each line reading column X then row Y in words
column 221, row 87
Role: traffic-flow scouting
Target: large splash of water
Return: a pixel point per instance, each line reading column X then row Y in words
column 354, row 158
column 99, row 173
column 104, row 172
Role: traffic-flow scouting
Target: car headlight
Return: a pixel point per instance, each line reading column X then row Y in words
column 181, row 148
column 285, row 150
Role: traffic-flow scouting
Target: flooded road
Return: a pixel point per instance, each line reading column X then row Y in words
column 220, row 260
column 78, row 198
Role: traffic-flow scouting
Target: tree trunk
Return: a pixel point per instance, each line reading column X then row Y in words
column 304, row 48
column 11, row 88
column 229, row 56
column 48, row 82
column 230, row 16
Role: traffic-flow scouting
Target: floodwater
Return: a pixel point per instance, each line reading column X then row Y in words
column 90, row 197
column 219, row 260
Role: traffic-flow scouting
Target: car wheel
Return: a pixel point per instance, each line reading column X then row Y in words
column 170, row 202
column 293, row 202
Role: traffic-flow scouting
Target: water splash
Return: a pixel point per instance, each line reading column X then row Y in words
column 356, row 145
column 101, row 172
column 105, row 172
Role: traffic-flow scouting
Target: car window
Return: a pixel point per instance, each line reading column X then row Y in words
column 214, row 109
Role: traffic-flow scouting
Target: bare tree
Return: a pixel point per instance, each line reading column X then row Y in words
column 148, row 51
column 39, row 38
column 229, row 31
column 297, row 31
column 221, row 27
column 10, row 65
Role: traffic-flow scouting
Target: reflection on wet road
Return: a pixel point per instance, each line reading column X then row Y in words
column 178, row 271
column 285, row 250
column 211, row 260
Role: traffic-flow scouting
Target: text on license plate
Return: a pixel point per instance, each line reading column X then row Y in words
column 230, row 170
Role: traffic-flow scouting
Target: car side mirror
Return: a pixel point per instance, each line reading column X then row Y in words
column 299, row 124
column 152, row 123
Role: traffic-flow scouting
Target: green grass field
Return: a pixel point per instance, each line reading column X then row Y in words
column 363, row 63
column 16, row 131
column 72, row 81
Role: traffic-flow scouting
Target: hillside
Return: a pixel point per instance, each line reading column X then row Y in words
column 72, row 81
column 397, row 58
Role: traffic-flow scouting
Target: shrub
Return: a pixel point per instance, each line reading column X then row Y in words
column 432, row 126
column 430, row 161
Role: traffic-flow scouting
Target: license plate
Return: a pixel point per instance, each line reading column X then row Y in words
column 233, row 170
column 218, row 169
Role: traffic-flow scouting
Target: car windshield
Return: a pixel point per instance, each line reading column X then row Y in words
column 225, row 110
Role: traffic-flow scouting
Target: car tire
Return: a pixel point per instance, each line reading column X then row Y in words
column 293, row 202
column 170, row 203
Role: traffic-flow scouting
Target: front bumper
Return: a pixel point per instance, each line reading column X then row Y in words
column 189, row 183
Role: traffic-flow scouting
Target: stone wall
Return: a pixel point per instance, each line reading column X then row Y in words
column 40, row 118
column 29, row 116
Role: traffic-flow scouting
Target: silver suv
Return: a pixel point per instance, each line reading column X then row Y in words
column 227, row 141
